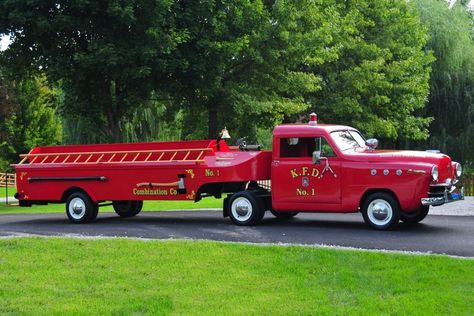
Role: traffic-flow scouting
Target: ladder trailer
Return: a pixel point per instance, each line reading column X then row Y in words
column 311, row 168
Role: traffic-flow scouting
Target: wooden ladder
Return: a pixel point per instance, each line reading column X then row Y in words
column 195, row 155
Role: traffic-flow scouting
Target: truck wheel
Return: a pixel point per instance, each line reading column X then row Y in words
column 381, row 211
column 415, row 217
column 245, row 209
column 127, row 208
column 80, row 208
column 284, row 215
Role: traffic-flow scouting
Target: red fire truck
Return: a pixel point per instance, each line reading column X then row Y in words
column 311, row 168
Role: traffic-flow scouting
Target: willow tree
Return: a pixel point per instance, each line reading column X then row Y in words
column 451, row 100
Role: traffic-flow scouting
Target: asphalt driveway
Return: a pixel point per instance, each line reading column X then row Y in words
column 453, row 235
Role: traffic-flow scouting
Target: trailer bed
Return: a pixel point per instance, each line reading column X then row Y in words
column 184, row 170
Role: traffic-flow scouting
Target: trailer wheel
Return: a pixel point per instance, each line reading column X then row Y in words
column 245, row 208
column 127, row 208
column 381, row 211
column 80, row 208
column 415, row 217
column 283, row 215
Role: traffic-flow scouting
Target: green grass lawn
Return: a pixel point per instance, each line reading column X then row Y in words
column 57, row 276
column 11, row 191
column 147, row 206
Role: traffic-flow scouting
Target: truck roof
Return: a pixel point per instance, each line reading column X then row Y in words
column 307, row 129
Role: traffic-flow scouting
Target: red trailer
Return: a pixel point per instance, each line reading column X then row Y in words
column 312, row 168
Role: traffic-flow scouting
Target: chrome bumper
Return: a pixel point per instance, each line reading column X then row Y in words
column 448, row 197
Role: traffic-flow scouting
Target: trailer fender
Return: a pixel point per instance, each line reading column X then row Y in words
column 72, row 190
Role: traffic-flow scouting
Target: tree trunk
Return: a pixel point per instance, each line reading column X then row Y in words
column 113, row 115
column 212, row 122
column 114, row 132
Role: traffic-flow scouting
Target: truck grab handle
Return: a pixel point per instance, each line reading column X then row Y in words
column 245, row 147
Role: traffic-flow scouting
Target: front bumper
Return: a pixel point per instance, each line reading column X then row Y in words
column 448, row 196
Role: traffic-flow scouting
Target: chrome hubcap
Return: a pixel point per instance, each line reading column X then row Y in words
column 77, row 208
column 380, row 212
column 241, row 209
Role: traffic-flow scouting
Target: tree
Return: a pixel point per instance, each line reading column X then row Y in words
column 451, row 100
column 244, row 62
column 379, row 80
column 109, row 55
column 6, row 108
column 28, row 117
column 360, row 63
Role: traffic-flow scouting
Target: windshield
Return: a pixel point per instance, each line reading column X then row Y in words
column 348, row 139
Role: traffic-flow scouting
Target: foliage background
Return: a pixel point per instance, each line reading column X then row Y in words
column 140, row 70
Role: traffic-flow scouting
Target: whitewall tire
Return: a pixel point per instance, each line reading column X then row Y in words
column 245, row 208
column 381, row 211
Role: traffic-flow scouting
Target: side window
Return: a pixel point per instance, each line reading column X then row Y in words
column 304, row 147
column 326, row 149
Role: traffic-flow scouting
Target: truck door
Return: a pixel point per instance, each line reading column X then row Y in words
column 297, row 182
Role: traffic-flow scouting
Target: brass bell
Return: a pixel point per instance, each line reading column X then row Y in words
column 224, row 134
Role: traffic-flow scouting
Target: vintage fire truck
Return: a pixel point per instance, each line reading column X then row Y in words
column 311, row 168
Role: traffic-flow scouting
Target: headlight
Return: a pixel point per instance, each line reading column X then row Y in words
column 458, row 170
column 434, row 173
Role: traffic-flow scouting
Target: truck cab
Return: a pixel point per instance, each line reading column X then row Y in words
column 306, row 169
column 332, row 168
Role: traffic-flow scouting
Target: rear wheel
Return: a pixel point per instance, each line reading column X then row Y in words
column 284, row 215
column 127, row 208
column 415, row 217
column 381, row 211
column 80, row 208
column 245, row 208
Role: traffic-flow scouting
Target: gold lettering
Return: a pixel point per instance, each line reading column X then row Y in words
column 148, row 191
column 301, row 192
column 212, row 173
column 305, row 171
column 304, row 192
column 294, row 174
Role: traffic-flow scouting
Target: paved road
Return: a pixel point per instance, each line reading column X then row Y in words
column 453, row 235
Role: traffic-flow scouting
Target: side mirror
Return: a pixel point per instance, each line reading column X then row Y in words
column 371, row 143
column 316, row 157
